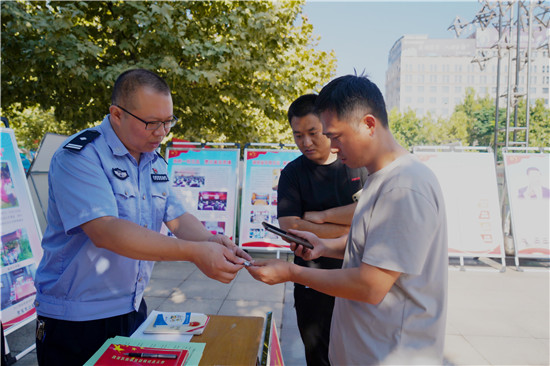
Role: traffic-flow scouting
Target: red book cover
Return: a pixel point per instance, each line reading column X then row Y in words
column 121, row 354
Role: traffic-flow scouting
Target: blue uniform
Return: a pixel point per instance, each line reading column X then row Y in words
column 76, row 280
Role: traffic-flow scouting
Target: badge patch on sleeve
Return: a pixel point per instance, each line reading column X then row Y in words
column 158, row 178
column 120, row 174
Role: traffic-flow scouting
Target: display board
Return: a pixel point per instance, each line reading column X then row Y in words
column 37, row 177
column 262, row 169
column 469, row 184
column 20, row 236
column 528, row 187
column 207, row 180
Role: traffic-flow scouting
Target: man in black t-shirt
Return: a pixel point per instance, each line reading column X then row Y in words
column 316, row 193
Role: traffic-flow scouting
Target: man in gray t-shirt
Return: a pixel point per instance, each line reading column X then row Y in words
column 392, row 289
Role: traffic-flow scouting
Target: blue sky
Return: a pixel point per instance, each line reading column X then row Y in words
column 362, row 32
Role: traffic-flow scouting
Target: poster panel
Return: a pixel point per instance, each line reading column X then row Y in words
column 262, row 169
column 20, row 237
column 528, row 184
column 206, row 180
column 37, row 177
column 469, row 184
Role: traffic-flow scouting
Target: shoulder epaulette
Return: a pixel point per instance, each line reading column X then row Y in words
column 82, row 140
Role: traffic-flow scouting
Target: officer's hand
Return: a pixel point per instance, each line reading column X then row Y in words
column 228, row 243
column 217, row 261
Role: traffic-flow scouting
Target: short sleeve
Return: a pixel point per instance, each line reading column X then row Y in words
column 174, row 206
column 288, row 195
column 81, row 190
column 401, row 228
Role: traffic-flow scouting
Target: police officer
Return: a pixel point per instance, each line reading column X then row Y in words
column 109, row 194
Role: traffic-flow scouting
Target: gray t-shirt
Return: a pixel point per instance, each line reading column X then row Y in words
column 399, row 225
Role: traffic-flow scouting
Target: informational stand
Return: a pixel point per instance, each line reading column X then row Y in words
column 468, row 180
column 20, row 236
column 206, row 179
column 528, row 185
column 37, row 176
column 262, row 169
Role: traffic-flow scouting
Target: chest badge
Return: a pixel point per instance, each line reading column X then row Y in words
column 159, row 178
column 120, row 174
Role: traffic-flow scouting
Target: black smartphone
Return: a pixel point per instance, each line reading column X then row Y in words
column 275, row 230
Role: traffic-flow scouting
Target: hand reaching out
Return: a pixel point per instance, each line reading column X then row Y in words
column 225, row 241
column 217, row 261
column 272, row 271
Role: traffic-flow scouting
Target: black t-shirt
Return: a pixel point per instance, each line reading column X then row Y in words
column 305, row 186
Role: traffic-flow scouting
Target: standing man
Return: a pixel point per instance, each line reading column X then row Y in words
column 109, row 194
column 315, row 194
column 392, row 289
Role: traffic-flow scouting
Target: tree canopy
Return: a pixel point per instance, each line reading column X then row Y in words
column 471, row 124
column 233, row 67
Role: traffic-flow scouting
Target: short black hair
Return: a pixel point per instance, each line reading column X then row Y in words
column 131, row 80
column 345, row 94
column 302, row 106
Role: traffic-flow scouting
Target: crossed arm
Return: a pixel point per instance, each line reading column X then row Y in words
column 331, row 223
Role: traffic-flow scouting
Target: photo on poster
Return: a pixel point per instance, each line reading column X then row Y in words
column 259, row 216
column 215, row 227
column 257, row 233
column 188, row 178
column 16, row 247
column 534, row 186
column 212, row 201
column 259, row 199
column 8, row 196
column 276, row 176
column 17, row 285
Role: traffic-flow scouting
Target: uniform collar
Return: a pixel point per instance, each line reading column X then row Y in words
column 117, row 147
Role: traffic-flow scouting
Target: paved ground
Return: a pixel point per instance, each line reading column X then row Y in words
column 493, row 319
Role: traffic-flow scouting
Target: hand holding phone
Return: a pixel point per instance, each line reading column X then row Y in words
column 278, row 231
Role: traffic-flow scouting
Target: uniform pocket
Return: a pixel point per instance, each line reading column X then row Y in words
column 126, row 199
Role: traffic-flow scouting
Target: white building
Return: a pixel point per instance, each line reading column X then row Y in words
column 432, row 75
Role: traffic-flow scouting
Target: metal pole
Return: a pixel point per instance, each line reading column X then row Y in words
column 509, row 76
column 498, row 82
column 518, row 64
column 528, row 102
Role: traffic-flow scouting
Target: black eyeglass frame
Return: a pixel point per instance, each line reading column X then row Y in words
column 171, row 123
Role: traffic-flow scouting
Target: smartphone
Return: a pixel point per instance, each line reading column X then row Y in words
column 275, row 230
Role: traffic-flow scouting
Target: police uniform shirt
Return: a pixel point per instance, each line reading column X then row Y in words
column 98, row 177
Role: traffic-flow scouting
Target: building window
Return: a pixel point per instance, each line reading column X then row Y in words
column 445, row 89
column 458, row 89
column 420, row 100
column 433, row 89
column 420, row 89
column 432, row 100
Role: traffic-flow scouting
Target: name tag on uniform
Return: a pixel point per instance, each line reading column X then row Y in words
column 158, row 178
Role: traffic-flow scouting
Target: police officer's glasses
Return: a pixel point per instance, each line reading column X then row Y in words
column 153, row 125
